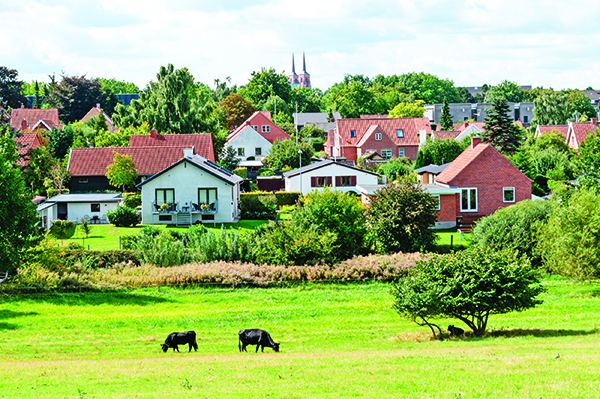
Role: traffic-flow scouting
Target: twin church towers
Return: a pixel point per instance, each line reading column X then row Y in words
column 302, row 80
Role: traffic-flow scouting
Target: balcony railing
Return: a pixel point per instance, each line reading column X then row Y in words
column 188, row 207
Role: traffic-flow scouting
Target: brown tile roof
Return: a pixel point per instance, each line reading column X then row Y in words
column 25, row 142
column 201, row 142
column 94, row 112
column 148, row 160
column 410, row 126
column 441, row 134
column 260, row 118
column 33, row 116
column 461, row 162
column 580, row 132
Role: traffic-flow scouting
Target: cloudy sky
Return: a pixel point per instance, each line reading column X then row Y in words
column 551, row 43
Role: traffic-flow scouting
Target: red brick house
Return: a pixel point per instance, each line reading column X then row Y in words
column 577, row 132
column 390, row 137
column 486, row 181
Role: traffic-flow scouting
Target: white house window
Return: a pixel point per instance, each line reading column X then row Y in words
column 399, row 133
column 378, row 136
column 468, row 200
column 437, row 202
column 207, row 196
column 345, row 181
column 165, row 196
column 386, row 153
column 258, row 151
column 401, row 152
column 509, row 194
column 266, row 128
column 352, row 133
column 95, row 207
column 241, row 152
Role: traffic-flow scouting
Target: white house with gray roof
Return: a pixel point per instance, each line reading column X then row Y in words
column 76, row 207
column 192, row 190
column 328, row 173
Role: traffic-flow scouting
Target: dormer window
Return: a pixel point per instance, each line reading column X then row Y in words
column 266, row 128
column 352, row 133
column 378, row 136
column 255, row 127
column 400, row 133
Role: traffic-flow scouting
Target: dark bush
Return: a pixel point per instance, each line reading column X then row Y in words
column 123, row 216
column 63, row 229
column 258, row 205
column 287, row 198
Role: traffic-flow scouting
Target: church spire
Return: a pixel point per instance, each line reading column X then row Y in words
column 303, row 63
column 293, row 65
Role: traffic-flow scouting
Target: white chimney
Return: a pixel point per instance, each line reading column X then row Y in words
column 188, row 152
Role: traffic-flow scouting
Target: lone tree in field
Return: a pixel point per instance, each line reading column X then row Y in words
column 468, row 286
column 121, row 172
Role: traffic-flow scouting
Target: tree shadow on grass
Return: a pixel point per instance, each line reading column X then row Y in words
column 93, row 298
column 9, row 314
column 534, row 332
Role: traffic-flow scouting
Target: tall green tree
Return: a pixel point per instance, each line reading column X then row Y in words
column 236, row 109
column 510, row 91
column 499, row 130
column 588, row 161
column 38, row 169
column 122, row 171
column 354, row 100
column 18, row 229
column 267, row 83
column 438, row 152
column 307, row 98
column 446, row 118
column 118, row 86
column 10, row 87
column 172, row 104
column 408, row 110
column 556, row 108
column 285, row 154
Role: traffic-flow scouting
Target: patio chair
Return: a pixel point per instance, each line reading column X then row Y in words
column 3, row 278
column 103, row 219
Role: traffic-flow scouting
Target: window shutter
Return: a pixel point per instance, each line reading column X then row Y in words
column 329, row 180
column 338, row 181
column 353, row 180
column 313, row 181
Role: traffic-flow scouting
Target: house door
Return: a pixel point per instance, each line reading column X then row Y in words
column 62, row 211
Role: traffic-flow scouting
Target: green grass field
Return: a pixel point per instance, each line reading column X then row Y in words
column 337, row 341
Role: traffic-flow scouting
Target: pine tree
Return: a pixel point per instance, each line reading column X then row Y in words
column 446, row 119
column 37, row 103
column 500, row 131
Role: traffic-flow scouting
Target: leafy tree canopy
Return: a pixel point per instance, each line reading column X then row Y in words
column 588, row 161
column 237, row 109
column 500, row 131
column 118, row 87
column 265, row 84
column 510, row 91
column 408, row 110
column 122, row 171
column 307, row 98
column 556, row 108
column 438, row 152
column 285, row 154
column 10, row 87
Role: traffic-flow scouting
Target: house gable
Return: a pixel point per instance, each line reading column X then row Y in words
column 265, row 127
column 375, row 138
column 32, row 118
column 249, row 139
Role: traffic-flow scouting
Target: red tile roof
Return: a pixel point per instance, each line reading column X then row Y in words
column 202, row 142
column 461, row 162
column 260, row 118
column 94, row 112
column 578, row 132
column 33, row 116
column 461, row 127
column 410, row 127
column 440, row 134
column 25, row 142
column 148, row 160
column 543, row 129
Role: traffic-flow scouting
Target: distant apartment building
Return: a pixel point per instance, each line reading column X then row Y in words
column 478, row 111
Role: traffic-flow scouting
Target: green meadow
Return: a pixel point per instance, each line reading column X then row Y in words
column 337, row 341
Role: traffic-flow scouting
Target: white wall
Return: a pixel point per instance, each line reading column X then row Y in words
column 186, row 179
column 76, row 211
column 333, row 170
column 250, row 139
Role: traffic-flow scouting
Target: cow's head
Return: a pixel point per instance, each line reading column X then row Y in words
column 276, row 346
column 164, row 347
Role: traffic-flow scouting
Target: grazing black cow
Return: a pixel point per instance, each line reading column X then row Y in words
column 455, row 331
column 180, row 338
column 254, row 336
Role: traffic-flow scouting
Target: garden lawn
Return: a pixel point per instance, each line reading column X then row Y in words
column 336, row 341
column 104, row 237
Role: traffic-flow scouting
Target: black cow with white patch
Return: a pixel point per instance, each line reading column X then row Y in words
column 180, row 338
column 254, row 336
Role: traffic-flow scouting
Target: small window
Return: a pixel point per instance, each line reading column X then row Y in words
column 437, row 202
column 468, row 200
column 258, row 151
column 266, row 128
column 95, row 208
column 165, row 196
column 165, row 218
column 386, row 153
column 509, row 194
column 525, row 118
column 346, row 181
column 378, row 136
column 400, row 133
column 241, row 152
column 352, row 133
column 83, row 180
column 321, row 181
column 255, row 127
column 401, row 153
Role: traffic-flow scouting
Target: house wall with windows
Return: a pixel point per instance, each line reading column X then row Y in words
column 249, row 143
column 76, row 207
column 329, row 174
column 187, row 185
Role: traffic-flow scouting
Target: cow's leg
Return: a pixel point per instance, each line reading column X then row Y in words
column 176, row 348
column 257, row 346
